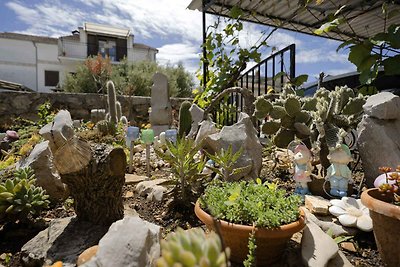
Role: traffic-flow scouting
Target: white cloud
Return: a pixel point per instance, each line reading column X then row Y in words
column 319, row 55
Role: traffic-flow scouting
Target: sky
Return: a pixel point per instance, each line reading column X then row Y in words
column 164, row 24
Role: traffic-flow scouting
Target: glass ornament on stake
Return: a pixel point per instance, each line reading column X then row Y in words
column 147, row 138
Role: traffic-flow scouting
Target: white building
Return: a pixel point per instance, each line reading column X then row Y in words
column 41, row 63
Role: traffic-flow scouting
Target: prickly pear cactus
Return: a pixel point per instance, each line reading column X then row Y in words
column 285, row 118
column 19, row 197
column 185, row 119
column 192, row 248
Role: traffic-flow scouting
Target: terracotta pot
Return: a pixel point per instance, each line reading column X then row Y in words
column 386, row 225
column 270, row 242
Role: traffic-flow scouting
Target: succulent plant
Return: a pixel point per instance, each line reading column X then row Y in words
column 114, row 114
column 106, row 127
column 323, row 119
column 287, row 117
column 185, row 119
column 192, row 248
column 20, row 197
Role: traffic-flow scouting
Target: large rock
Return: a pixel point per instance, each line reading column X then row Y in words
column 64, row 240
column 152, row 189
column 206, row 128
column 378, row 134
column 161, row 109
column 47, row 176
column 59, row 131
column 383, row 106
column 240, row 135
column 129, row 242
column 197, row 116
column 317, row 248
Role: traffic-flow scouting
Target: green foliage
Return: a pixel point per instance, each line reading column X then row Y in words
column 249, row 202
column 251, row 256
column 44, row 113
column 19, row 197
column 225, row 160
column 370, row 54
column 192, row 248
column 185, row 119
column 187, row 170
column 129, row 78
column 226, row 57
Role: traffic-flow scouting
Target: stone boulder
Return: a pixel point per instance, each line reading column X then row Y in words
column 161, row 108
column 59, row 131
column 129, row 242
column 240, row 135
column 64, row 240
column 378, row 134
column 317, row 248
column 47, row 176
column 197, row 116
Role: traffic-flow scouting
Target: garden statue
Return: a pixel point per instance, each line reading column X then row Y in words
column 338, row 173
column 302, row 170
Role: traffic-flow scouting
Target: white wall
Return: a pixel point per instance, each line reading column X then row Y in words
column 140, row 54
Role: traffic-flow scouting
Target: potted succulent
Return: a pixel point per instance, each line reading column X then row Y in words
column 251, row 217
column 384, row 205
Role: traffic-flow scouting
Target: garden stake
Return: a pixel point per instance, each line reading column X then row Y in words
column 132, row 134
column 148, row 138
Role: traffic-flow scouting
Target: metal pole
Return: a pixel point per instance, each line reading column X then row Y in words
column 204, row 45
column 131, row 158
column 148, row 160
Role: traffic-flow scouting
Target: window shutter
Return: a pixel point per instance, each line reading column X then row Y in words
column 121, row 49
column 92, row 45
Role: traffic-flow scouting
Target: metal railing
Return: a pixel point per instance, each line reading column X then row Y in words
column 259, row 79
column 76, row 49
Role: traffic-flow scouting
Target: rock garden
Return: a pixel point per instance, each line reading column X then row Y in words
column 185, row 191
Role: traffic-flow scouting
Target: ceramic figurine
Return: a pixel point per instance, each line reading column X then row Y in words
column 339, row 174
column 302, row 170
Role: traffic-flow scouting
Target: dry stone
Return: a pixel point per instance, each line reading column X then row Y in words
column 65, row 239
column 47, row 176
column 240, row 135
column 161, row 109
column 317, row 248
column 378, row 134
column 317, row 204
column 197, row 116
column 130, row 242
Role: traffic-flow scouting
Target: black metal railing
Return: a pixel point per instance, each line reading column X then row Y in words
column 259, row 79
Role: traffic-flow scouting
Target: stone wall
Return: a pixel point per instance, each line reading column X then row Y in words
column 25, row 104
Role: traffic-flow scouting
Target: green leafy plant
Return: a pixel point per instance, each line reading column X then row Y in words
column 225, row 161
column 368, row 54
column 192, row 248
column 20, row 198
column 45, row 114
column 226, row 57
column 186, row 169
column 250, row 202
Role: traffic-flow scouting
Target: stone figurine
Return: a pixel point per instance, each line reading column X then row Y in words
column 302, row 169
column 338, row 173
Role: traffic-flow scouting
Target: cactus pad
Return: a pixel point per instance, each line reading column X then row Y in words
column 270, row 127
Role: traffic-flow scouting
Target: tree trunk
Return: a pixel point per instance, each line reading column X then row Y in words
column 97, row 188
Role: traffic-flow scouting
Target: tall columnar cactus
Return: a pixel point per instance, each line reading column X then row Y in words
column 192, row 248
column 285, row 118
column 185, row 119
column 112, row 102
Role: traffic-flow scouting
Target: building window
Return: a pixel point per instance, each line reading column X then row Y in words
column 108, row 48
column 51, row 78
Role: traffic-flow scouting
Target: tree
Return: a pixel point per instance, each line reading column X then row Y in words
column 129, row 78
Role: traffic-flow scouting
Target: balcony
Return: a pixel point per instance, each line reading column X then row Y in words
column 69, row 50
